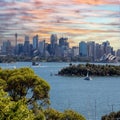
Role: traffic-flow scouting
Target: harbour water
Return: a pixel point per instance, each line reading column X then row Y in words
column 93, row 98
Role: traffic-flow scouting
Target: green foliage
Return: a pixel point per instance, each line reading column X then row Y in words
column 96, row 70
column 72, row 115
column 11, row 110
column 52, row 114
column 18, row 83
column 15, row 85
column 111, row 116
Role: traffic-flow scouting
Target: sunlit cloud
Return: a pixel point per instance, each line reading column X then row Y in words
column 80, row 20
column 96, row 2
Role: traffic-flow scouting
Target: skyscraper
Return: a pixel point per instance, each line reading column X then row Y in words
column 91, row 50
column 83, row 50
column 53, row 40
column 63, row 42
column 105, row 45
column 16, row 48
column 6, row 48
column 42, row 47
column 16, row 39
column 35, row 42
column 26, row 47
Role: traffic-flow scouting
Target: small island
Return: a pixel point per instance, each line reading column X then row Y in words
column 94, row 70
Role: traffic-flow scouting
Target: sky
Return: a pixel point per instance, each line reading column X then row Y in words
column 79, row 20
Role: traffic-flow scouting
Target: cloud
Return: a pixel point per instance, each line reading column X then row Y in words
column 83, row 19
column 96, row 2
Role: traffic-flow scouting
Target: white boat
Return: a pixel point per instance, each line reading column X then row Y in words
column 87, row 77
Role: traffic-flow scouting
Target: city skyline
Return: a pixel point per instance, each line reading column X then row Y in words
column 88, row 20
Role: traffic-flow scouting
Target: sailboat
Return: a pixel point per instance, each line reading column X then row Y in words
column 87, row 77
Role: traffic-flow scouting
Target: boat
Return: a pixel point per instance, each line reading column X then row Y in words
column 87, row 77
column 35, row 63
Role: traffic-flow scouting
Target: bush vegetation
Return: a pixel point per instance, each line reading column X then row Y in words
column 94, row 70
column 112, row 116
column 25, row 96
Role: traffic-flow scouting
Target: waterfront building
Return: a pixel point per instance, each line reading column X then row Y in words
column 6, row 48
column 53, row 41
column 91, row 46
column 26, row 47
column 35, row 42
column 118, row 53
column 42, row 48
column 75, row 51
column 63, row 41
column 105, row 46
column 83, row 49
column 20, row 49
column 98, row 52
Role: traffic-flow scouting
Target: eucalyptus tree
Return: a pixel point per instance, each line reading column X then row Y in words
column 24, row 83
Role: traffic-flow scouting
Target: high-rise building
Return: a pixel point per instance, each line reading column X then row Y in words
column 63, row 42
column 35, row 42
column 26, row 47
column 118, row 53
column 109, row 49
column 42, row 47
column 16, row 42
column 20, row 49
column 53, row 40
column 16, row 39
column 6, row 48
column 91, row 50
column 105, row 45
column 83, row 50
column 75, row 51
column 99, row 51
column 64, row 47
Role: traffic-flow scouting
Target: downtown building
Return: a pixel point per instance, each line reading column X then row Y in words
column 94, row 51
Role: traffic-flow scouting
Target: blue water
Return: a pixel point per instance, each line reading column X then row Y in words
column 90, row 98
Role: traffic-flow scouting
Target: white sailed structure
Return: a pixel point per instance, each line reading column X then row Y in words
column 88, row 77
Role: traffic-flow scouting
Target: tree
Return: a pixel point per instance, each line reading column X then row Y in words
column 72, row 115
column 52, row 114
column 27, row 96
column 111, row 116
column 24, row 83
column 11, row 110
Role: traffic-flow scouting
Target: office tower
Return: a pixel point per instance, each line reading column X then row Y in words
column 16, row 39
column 109, row 49
column 26, row 47
column 6, row 48
column 63, row 42
column 20, row 49
column 16, row 50
column 105, row 45
column 83, row 50
column 91, row 50
column 53, row 40
column 75, row 51
column 35, row 42
column 42, row 47
column 99, row 51
column 118, row 53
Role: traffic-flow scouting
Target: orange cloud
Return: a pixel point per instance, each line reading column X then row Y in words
column 96, row 2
